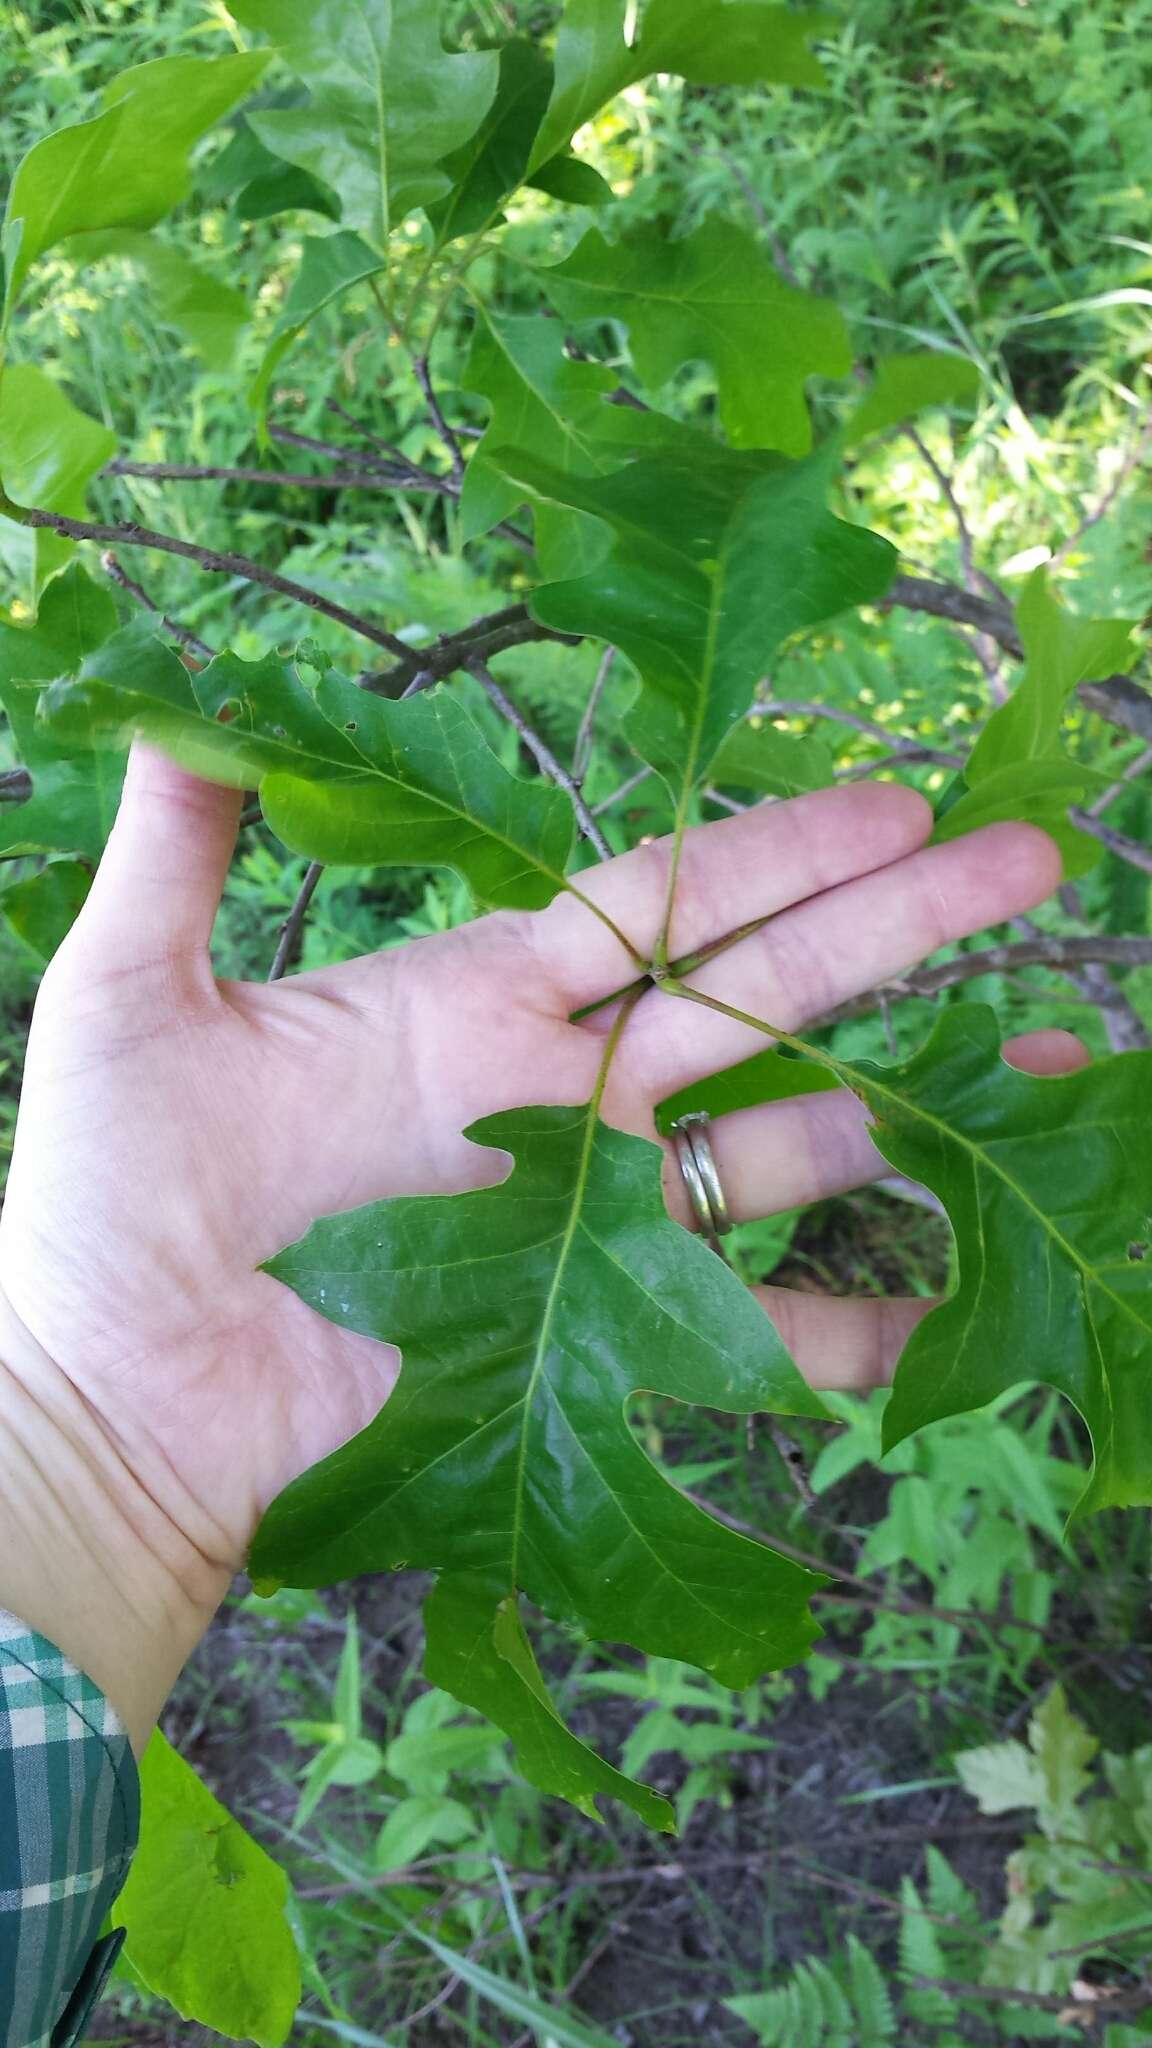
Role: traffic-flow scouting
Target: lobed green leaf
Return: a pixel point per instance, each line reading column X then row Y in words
column 713, row 296
column 528, row 1315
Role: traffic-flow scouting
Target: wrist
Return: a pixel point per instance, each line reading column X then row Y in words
column 88, row 1557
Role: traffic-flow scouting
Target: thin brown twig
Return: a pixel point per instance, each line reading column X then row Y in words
column 293, row 924
column 181, row 634
column 624, row 790
column 947, row 490
column 543, row 756
column 424, row 379
column 1110, row 2000
column 484, row 638
column 1040, row 952
column 1136, row 766
column 583, row 746
column 1140, row 447
column 1133, row 851
column 215, row 564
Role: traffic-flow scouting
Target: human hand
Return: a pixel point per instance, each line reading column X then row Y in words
column 176, row 1132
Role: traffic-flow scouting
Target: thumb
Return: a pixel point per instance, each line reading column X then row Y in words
column 159, row 883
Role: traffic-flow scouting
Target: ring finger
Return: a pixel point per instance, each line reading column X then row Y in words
column 787, row 1154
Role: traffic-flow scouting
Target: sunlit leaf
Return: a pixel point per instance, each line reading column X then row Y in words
column 204, row 1907
column 760, row 757
column 388, row 101
column 128, row 166
column 712, row 296
column 527, row 1315
column 544, row 400
column 49, row 453
column 711, row 42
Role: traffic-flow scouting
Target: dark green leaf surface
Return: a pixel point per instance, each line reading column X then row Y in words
column 527, row 1316
column 42, row 908
column 713, row 296
column 715, row 558
column 711, row 42
column 74, row 796
column 388, row 101
column 492, row 163
column 257, row 184
column 765, row 1077
column 343, row 776
column 205, row 1910
column 1048, row 1186
column 543, row 400
column 476, row 1648
column 129, row 166
column 1047, row 1183
column 49, row 453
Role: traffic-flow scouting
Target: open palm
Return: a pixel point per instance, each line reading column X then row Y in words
column 176, row 1131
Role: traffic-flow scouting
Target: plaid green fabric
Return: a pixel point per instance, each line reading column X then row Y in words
column 69, row 1823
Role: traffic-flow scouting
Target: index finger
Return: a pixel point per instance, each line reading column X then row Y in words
column 741, row 868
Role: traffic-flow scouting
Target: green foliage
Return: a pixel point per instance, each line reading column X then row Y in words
column 329, row 266
column 204, row 1907
column 1079, row 1889
column 683, row 590
column 710, row 296
column 49, row 453
column 74, row 795
column 845, row 2006
column 343, row 776
column 578, row 1222
column 1044, row 1176
column 906, row 385
column 708, row 545
column 126, row 168
column 387, row 105
column 741, row 40
column 1018, row 766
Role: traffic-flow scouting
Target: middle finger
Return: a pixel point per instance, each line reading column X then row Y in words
column 833, row 947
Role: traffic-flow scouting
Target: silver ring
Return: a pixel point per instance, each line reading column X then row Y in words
column 702, row 1177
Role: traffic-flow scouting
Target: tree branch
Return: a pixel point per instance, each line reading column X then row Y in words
column 401, row 475
column 962, row 607
column 293, row 924
column 424, row 379
column 367, row 479
column 1132, row 850
column 172, row 627
column 134, row 536
column 484, row 638
column 543, row 756
column 1115, row 698
column 1006, row 959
